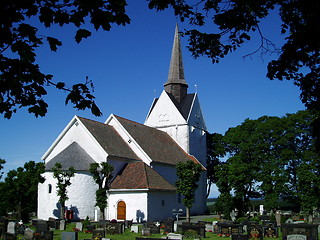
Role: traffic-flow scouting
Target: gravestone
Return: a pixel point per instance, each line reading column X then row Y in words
column 239, row 237
column 154, row 228
column 53, row 223
column 200, row 229
column 309, row 230
column 9, row 236
column 174, row 236
column 146, row 231
column 98, row 234
column 270, row 232
column 278, row 218
column 103, row 223
column 62, row 225
column 225, row 229
column 168, row 225
column 11, row 228
column 69, row 236
column 20, row 229
column 28, row 233
column 296, row 237
column 115, row 228
column 209, row 227
column 128, row 223
column 47, row 235
column 255, row 232
column 90, row 228
column 79, row 226
column 135, row 229
column 41, row 226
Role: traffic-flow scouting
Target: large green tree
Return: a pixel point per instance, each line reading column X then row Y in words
column 188, row 175
column 63, row 177
column 2, row 161
column 19, row 191
column 228, row 25
column 272, row 158
column 102, row 175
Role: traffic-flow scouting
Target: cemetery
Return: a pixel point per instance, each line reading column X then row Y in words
column 211, row 227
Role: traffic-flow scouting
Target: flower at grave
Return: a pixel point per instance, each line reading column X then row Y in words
column 76, row 229
column 113, row 221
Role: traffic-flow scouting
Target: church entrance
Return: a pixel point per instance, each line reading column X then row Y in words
column 121, row 210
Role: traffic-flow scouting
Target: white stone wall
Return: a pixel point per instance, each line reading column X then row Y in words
column 136, row 205
column 76, row 132
column 81, row 195
column 162, row 204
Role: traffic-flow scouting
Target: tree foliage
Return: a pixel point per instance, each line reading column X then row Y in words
column 2, row 161
column 229, row 25
column 102, row 175
column 63, row 182
column 22, row 83
column 19, row 191
column 188, row 175
column 271, row 158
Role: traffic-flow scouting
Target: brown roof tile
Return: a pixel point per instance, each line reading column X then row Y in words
column 138, row 175
column 109, row 139
column 159, row 146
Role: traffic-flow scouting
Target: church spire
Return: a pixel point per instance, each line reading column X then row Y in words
column 176, row 84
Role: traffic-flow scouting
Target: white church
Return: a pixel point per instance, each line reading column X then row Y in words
column 144, row 157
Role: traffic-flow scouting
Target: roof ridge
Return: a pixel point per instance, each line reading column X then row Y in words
column 87, row 119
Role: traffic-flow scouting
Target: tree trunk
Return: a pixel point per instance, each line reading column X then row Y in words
column 62, row 211
column 102, row 217
column 188, row 214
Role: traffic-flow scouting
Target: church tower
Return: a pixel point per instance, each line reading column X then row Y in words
column 177, row 112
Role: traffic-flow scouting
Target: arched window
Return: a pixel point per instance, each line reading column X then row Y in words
column 49, row 188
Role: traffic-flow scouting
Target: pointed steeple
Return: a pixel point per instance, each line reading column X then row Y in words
column 176, row 84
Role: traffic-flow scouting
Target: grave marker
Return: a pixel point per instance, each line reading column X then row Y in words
column 11, row 228
column 28, row 233
column 69, row 236
column 296, row 237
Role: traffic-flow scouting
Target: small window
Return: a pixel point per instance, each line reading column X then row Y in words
column 162, row 203
column 49, row 188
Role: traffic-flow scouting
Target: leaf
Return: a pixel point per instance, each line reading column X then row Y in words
column 53, row 42
column 82, row 33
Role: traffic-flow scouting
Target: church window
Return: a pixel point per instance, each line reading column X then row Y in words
column 49, row 188
column 162, row 203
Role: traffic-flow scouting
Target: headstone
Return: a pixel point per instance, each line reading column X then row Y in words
column 278, row 218
column 154, row 228
column 20, row 229
column 98, row 234
column 309, row 230
column 79, row 226
column 168, row 225
column 53, row 223
column 115, row 228
column 9, row 236
column 135, row 229
column 103, row 223
column 28, row 233
column 90, row 228
column 69, row 235
column 270, row 232
column 62, row 225
column 174, row 236
column 11, row 228
column 209, row 228
column 146, row 231
column 255, row 232
column 128, row 223
column 47, row 235
column 189, row 227
column 41, row 226
column 296, row 237
column 239, row 237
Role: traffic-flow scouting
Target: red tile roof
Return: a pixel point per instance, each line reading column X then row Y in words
column 138, row 175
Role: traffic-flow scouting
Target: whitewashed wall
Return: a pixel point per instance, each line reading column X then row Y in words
column 81, row 195
column 76, row 132
column 162, row 204
column 136, row 205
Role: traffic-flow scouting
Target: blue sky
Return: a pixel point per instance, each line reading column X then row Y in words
column 129, row 66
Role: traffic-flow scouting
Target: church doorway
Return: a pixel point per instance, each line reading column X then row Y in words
column 121, row 210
